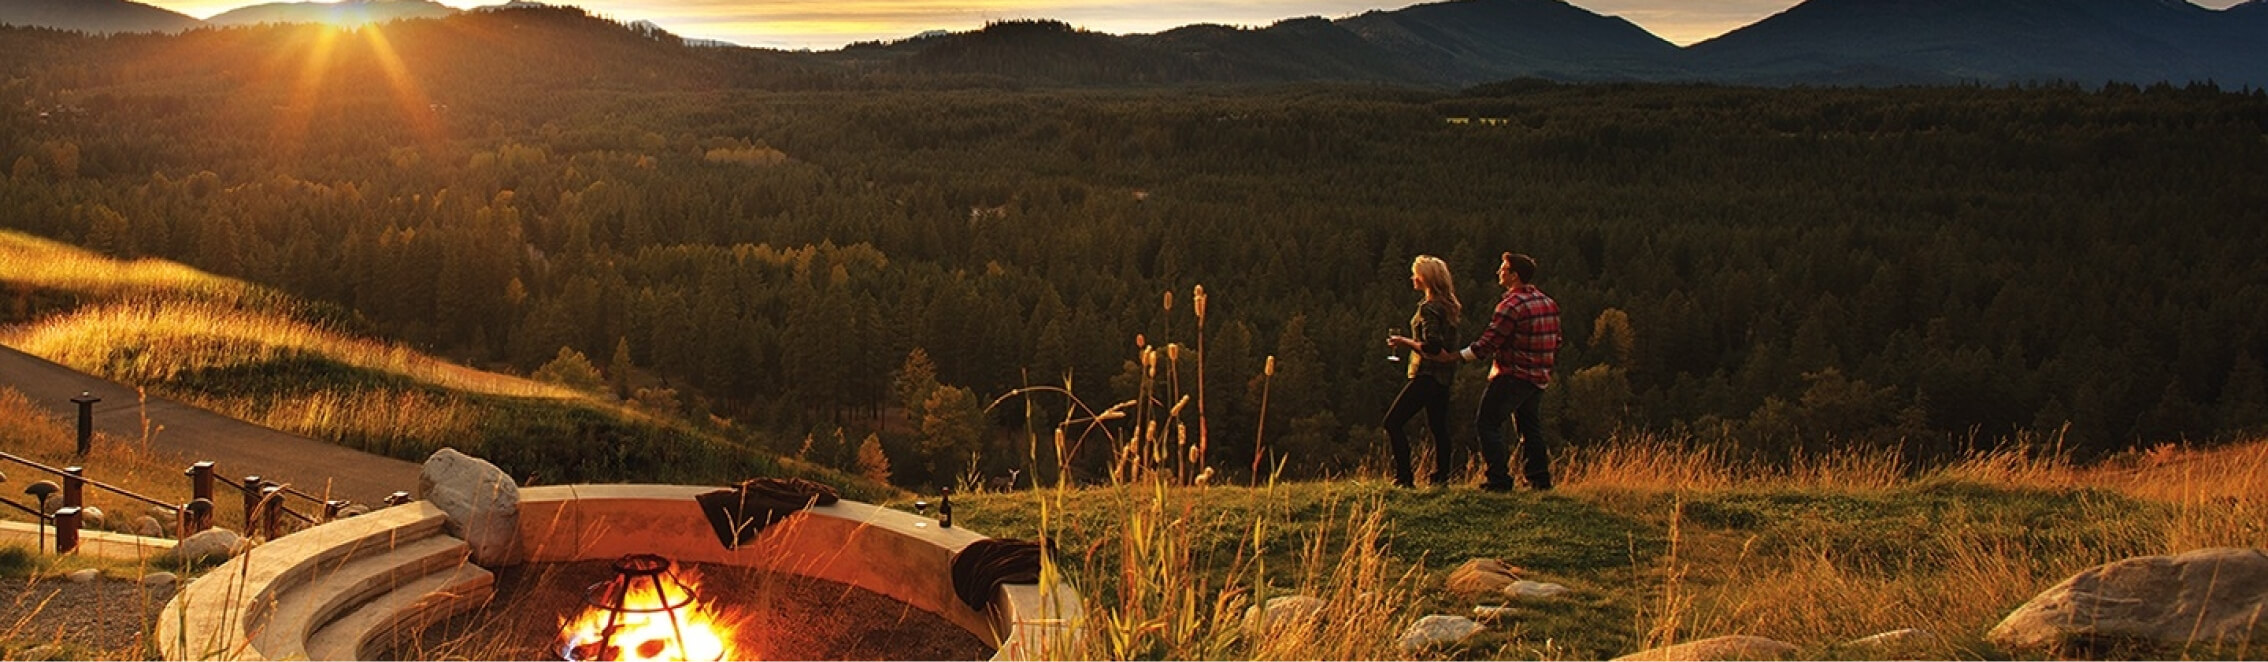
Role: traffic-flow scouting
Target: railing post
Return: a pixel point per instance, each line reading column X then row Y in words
column 74, row 487
column 251, row 503
column 66, row 529
column 86, row 402
column 272, row 495
column 201, row 480
column 331, row 509
column 397, row 498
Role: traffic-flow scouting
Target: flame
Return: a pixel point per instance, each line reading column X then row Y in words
column 643, row 630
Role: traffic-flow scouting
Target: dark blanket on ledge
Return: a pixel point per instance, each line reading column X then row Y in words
column 737, row 514
column 984, row 565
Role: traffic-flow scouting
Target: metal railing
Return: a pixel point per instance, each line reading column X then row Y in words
column 266, row 502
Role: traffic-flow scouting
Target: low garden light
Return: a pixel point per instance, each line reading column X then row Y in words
column 41, row 490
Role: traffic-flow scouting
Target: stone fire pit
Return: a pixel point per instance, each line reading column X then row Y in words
column 350, row 588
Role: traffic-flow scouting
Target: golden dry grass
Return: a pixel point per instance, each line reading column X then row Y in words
column 1956, row 573
column 150, row 341
column 34, row 262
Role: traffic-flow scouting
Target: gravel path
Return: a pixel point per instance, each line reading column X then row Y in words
column 102, row 619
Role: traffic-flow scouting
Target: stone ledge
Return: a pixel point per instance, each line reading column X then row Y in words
column 106, row 544
column 213, row 617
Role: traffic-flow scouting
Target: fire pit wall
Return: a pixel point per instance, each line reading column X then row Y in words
column 903, row 556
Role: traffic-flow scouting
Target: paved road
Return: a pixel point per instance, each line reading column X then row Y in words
column 235, row 447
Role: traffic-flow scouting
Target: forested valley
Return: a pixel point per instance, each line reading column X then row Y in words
column 1769, row 272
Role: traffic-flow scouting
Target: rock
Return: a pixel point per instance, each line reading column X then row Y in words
column 157, row 579
column 2209, row 596
column 1479, row 576
column 1492, row 612
column 1525, row 589
column 215, row 543
column 1298, row 612
column 1729, row 647
column 91, row 518
column 1909, row 643
column 1291, row 611
column 83, row 576
column 147, row 527
column 352, row 510
column 1436, row 630
column 482, row 502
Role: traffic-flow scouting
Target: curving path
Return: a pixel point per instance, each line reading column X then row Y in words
column 235, row 447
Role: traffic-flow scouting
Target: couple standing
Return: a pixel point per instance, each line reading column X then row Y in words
column 1520, row 342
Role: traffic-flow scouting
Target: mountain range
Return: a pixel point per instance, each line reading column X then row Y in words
column 1466, row 42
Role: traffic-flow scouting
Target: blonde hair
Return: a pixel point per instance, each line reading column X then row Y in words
column 1434, row 273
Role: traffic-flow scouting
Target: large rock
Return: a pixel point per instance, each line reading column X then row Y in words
column 147, row 527
column 213, row 543
column 1482, row 576
column 1728, row 647
column 1435, row 631
column 2213, row 597
column 482, row 502
column 1528, row 590
column 1290, row 613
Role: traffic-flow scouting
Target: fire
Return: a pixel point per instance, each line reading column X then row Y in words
column 652, row 610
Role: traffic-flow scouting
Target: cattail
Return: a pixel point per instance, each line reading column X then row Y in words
column 1173, row 352
column 1177, row 406
column 1150, row 361
column 1169, row 300
column 1197, row 302
column 1140, row 342
column 1270, row 370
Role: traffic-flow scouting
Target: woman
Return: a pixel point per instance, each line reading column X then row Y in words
column 1432, row 329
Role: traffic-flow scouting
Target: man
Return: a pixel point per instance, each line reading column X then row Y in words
column 1521, row 341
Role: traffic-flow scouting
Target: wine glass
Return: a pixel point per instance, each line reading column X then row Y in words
column 1391, row 355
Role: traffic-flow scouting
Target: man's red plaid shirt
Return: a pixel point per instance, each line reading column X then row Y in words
column 1522, row 338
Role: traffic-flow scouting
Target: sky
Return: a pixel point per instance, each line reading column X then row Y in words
column 829, row 24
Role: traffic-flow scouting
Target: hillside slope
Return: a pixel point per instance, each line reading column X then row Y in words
column 257, row 355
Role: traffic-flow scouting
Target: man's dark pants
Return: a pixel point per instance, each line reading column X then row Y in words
column 1521, row 400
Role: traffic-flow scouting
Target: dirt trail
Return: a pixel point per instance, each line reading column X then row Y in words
column 235, row 447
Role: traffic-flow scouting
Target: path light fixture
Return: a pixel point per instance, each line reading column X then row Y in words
column 41, row 490
column 86, row 402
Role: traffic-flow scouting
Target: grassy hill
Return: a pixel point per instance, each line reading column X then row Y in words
column 1659, row 545
column 257, row 355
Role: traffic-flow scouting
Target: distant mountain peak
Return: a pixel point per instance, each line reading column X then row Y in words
column 94, row 16
column 342, row 12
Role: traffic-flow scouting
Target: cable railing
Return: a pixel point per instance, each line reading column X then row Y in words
column 266, row 502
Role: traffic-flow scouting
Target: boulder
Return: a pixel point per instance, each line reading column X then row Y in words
column 1529, row 590
column 215, row 543
column 91, row 519
column 2213, row 597
column 82, row 576
column 482, row 502
column 1482, row 576
column 1295, row 612
column 1728, row 647
column 1435, row 631
column 158, row 579
column 147, row 527
column 1906, row 644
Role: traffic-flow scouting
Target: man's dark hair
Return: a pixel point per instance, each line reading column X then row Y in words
column 1523, row 265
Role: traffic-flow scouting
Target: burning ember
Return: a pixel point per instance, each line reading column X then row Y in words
column 647, row 612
